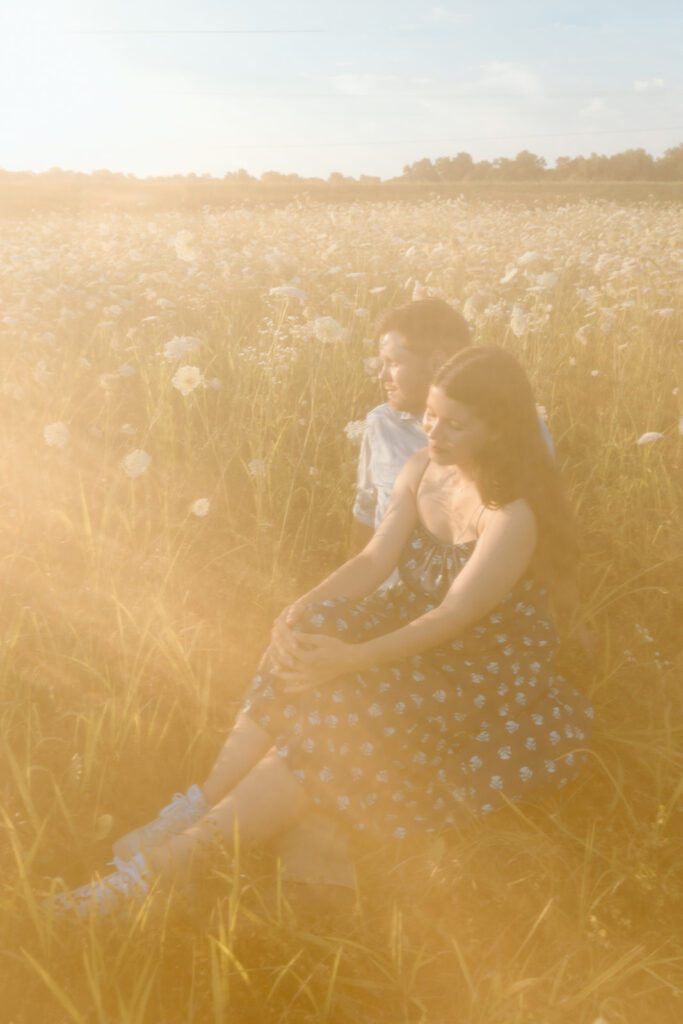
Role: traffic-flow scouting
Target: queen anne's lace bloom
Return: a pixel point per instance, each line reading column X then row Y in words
column 187, row 378
column 136, row 463
column 57, row 435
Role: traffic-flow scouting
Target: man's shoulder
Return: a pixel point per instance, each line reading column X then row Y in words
column 380, row 413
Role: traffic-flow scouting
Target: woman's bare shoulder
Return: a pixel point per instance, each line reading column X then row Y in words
column 413, row 468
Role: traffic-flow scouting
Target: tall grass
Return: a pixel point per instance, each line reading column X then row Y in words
column 130, row 625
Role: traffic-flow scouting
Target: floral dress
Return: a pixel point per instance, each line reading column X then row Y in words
column 415, row 744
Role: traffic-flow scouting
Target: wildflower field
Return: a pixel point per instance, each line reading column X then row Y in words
column 181, row 396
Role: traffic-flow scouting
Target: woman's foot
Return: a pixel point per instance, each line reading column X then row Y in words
column 184, row 810
column 125, row 887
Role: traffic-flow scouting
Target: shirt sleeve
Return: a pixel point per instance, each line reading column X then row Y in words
column 547, row 436
column 365, row 502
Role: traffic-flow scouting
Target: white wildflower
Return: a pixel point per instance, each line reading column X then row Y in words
column 518, row 321
column 328, row 331
column 527, row 258
column 136, row 463
column 200, row 507
column 595, row 373
column 649, row 437
column 288, row 291
column 179, row 346
column 256, row 468
column 57, row 435
column 14, row 391
column 187, row 378
column 354, row 430
column 41, row 374
column 469, row 310
column 183, row 246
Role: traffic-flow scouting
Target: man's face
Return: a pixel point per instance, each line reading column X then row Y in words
column 405, row 375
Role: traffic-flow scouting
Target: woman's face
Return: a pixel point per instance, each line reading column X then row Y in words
column 456, row 434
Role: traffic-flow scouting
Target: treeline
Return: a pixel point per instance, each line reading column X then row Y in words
column 631, row 176
column 631, row 165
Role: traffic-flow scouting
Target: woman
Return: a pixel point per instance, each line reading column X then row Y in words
column 403, row 710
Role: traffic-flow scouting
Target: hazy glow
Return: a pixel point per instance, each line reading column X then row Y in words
column 156, row 87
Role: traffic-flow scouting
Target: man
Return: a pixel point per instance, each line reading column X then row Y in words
column 414, row 340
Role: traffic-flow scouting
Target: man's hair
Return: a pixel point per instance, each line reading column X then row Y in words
column 428, row 326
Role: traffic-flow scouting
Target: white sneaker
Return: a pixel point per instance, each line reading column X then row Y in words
column 184, row 810
column 128, row 885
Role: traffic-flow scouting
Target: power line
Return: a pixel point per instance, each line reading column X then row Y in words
column 426, row 95
column 174, row 31
column 447, row 142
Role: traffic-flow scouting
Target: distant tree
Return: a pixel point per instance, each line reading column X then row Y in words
column 454, row 168
column 669, row 167
column 422, row 170
column 482, row 170
column 632, row 165
column 527, row 166
column 337, row 178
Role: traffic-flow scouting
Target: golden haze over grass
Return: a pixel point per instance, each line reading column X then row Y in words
column 174, row 391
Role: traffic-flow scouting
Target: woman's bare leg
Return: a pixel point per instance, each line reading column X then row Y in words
column 246, row 745
column 266, row 801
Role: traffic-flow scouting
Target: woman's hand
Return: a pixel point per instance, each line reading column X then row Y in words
column 285, row 641
column 318, row 660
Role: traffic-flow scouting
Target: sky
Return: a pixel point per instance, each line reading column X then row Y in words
column 153, row 87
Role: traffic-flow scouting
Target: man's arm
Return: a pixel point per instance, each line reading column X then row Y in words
column 365, row 500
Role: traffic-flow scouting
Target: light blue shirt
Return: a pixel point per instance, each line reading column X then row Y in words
column 389, row 440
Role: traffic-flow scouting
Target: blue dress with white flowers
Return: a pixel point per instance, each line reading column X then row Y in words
column 415, row 744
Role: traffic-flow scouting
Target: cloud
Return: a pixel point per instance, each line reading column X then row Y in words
column 503, row 78
column 643, row 84
column 442, row 16
column 497, row 80
column 363, row 84
column 367, row 84
column 595, row 110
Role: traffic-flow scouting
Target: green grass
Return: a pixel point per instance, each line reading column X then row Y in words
column 130, row 626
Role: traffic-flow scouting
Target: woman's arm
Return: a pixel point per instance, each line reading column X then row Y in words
column 364, row 573
column 503, row 553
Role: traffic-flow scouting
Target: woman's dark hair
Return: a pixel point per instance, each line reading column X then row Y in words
column 428, row 325
column 515, row 462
